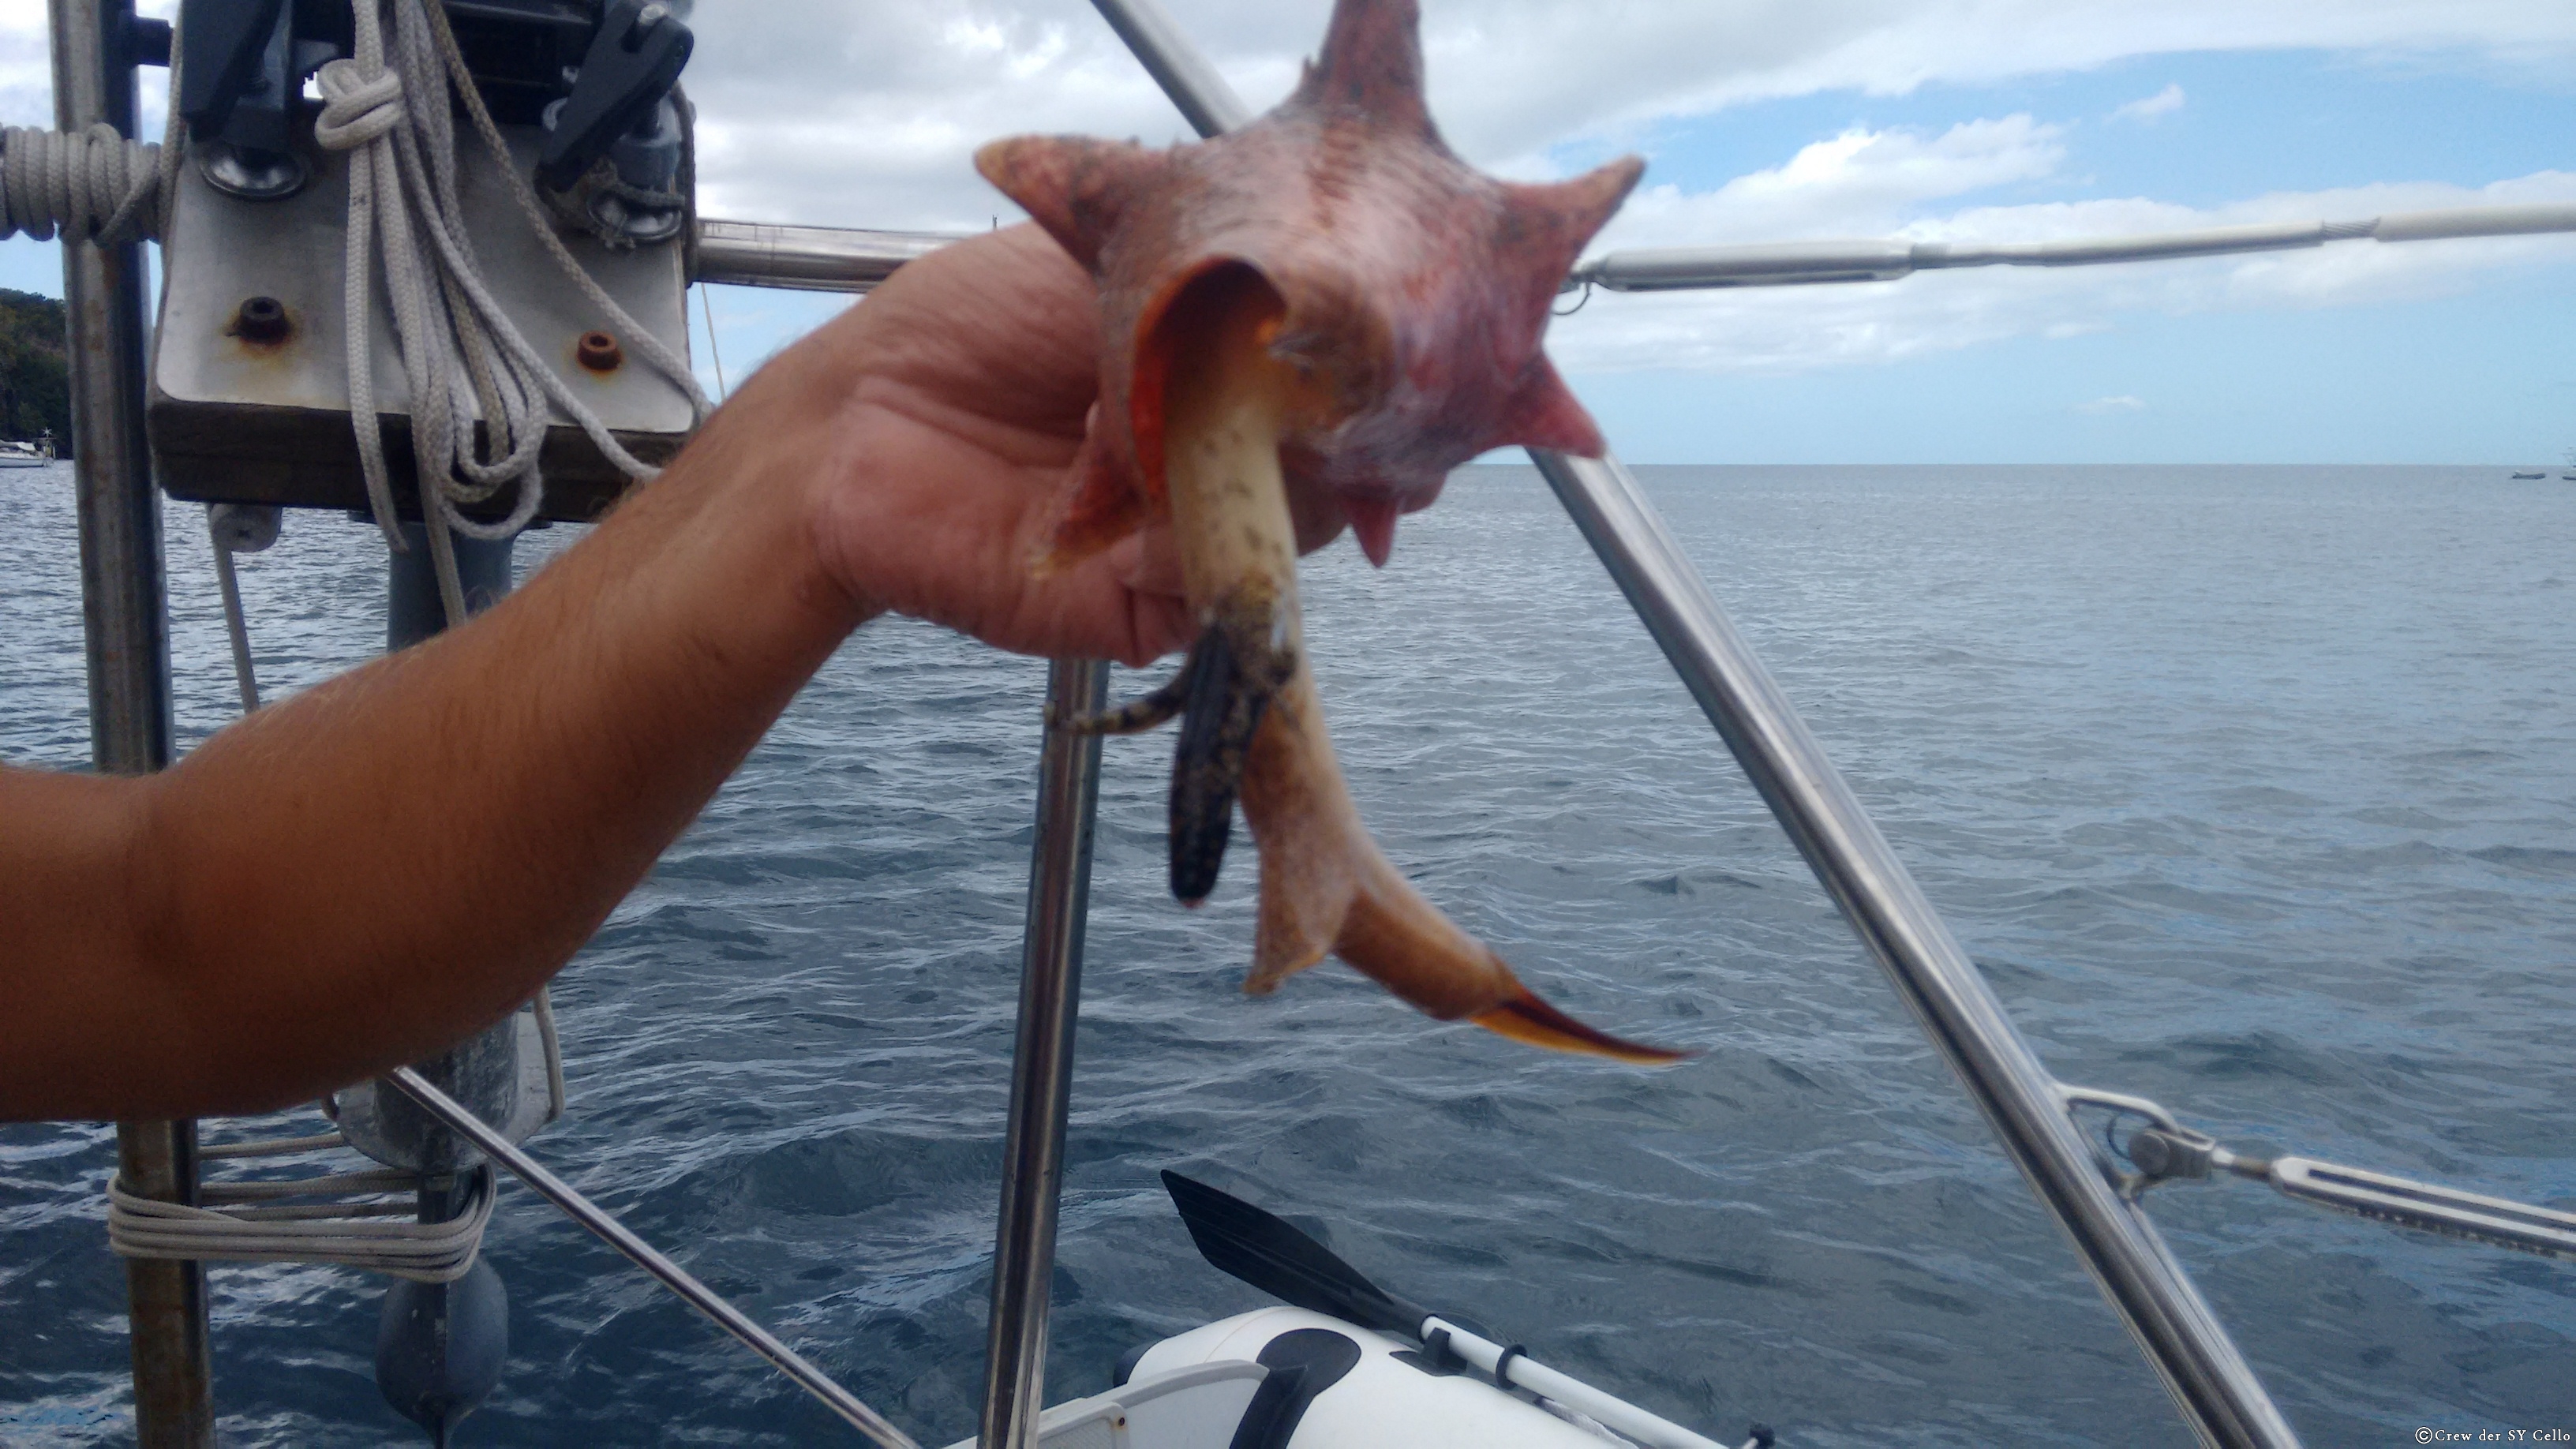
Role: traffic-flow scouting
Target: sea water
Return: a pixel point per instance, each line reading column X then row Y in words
column 2252, row 790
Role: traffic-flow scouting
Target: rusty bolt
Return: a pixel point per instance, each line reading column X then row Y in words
column 599, row 352
column 262, row 319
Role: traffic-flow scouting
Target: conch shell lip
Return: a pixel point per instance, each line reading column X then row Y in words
column 1341, row 378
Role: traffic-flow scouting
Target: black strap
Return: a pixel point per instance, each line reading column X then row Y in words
column 1303, row 1362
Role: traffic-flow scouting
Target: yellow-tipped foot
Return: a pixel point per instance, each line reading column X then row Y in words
column 1525, row 1018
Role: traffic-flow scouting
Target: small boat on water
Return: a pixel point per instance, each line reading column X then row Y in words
column 2527, row 477
column 21, row 453
column 1338, row 1367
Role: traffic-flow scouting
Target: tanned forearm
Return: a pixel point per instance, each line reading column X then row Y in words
column 371, row 870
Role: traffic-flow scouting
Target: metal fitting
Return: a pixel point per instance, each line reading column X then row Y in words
column 262, row 319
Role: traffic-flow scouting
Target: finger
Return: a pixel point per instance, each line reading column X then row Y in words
column 1005, row 318
column 1149, row 562
column 1159, row 624
column 1086, row 613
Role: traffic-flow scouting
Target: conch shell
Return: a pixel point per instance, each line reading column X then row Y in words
column 1327, row 298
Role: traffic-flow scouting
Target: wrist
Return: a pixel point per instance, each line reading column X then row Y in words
column 759, row 477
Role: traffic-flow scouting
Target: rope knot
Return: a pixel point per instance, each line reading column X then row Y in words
column 92, row 185
column 356, row 107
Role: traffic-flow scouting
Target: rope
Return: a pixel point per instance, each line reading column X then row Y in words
column 258, row 1221
column 666, row 362
column 707, row 305
column 552, row 1047
column 268, row 1230
column 463, row 358
column 92, row 185
column 239, row 528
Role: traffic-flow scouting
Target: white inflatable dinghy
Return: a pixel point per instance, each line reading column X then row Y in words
column 1301, row 1377
column 1289, row 1378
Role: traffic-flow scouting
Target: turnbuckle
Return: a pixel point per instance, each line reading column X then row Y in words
column 2164, row 1150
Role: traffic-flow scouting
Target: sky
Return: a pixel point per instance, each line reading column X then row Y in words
column 1766, row 120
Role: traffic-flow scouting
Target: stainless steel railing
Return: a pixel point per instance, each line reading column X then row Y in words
column 806, row 258
column 453, row 1115
column 127, row 636
column 1042, row 1060
column 1806, row 263
column 1060, row 871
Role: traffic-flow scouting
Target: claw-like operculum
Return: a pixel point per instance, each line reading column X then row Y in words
column 1252, row 721
column 1146, row 711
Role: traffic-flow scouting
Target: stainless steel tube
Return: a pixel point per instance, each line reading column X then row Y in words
column 1205, row 100
column 2215, row 1388
column 1015, row 1340
column 126, row 629
column 1805, row 263
column 617, row 1235
column 807, row 258
column 123, row 598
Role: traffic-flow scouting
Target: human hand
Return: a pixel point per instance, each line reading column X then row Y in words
column 944, row 413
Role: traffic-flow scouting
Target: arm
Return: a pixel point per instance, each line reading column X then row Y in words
column 370, row 871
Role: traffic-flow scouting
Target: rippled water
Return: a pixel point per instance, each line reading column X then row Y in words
column 2249, row 788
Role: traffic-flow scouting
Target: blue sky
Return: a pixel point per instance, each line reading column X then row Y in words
column 1994, row 120
column 2249, row 122
column 2478, row 364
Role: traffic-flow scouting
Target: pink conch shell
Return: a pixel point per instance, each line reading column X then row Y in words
column 1416, row 286
column 1335, row 258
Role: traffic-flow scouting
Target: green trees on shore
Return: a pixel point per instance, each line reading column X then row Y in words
column 35, row 385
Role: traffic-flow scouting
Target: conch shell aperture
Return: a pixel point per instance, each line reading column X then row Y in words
column 1327, row 297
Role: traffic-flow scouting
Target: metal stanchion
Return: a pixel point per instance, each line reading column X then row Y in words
column 453, row 1114
column 1042, row 1063
column 126, row 628
column 2217, row 1391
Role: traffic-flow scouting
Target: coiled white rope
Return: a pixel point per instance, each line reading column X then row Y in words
column 258, row 1222
column 341, row 1218
column 92, row 185
column 463, row 357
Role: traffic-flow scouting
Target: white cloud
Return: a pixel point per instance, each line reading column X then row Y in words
column 865, row 112
column 2104, row 406
column 2149, row 109
column 1860, row 183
